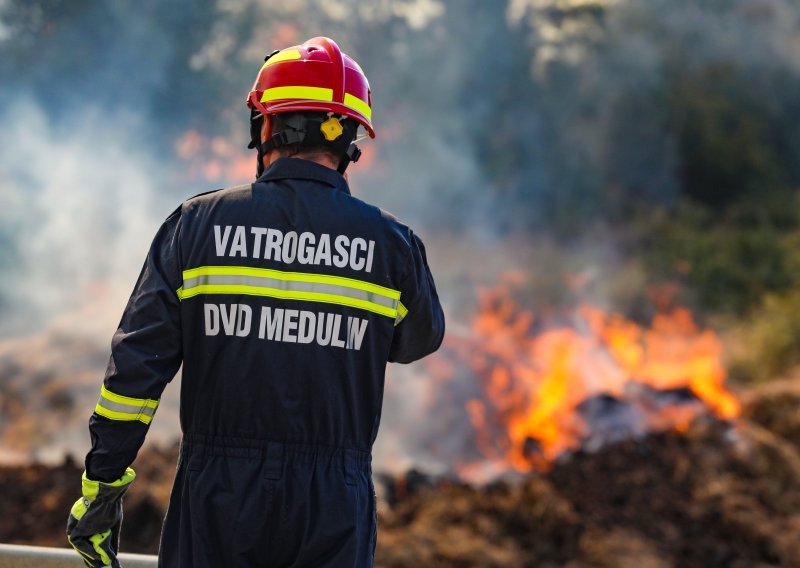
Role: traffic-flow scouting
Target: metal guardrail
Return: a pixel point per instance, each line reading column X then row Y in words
column 18, row 556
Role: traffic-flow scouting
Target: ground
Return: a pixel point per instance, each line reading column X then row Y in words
column 720, row 494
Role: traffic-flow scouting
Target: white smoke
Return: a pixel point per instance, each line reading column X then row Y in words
column 80, row 205
column 5, row 29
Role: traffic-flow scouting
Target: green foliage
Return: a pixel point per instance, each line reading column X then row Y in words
column 729, row 263
column 769, row 339
column 725, row 137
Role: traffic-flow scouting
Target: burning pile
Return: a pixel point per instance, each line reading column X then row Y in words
column 553, row 386
column 710, row 496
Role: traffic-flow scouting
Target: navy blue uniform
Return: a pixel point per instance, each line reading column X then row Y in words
column 283, row 300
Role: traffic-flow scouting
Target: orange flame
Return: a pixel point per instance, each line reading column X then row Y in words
column 534, row 375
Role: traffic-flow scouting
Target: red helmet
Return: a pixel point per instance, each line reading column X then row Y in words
column 314, row 76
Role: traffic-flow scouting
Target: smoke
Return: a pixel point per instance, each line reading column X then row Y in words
column 84, row 183
column 80, row 206
column 5, row 30
column 496, row 121
column 78, row 202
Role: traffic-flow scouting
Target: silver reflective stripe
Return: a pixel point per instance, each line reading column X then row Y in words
column 293, row 285
column 128, row 408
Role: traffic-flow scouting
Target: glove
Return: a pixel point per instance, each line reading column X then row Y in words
column 96, row 518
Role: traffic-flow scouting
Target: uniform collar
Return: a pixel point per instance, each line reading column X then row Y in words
column 296, row 168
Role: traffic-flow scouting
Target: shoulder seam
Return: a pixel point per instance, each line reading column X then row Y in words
column 242, row 186
column 232, row 188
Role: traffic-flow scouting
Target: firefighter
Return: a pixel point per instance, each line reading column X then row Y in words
column 283, row 300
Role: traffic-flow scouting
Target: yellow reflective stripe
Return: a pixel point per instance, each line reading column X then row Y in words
column 402, row 312
column 359, row 105
column 290, row 276
column 97, row 543
column 270, row 283
column 91, row 488
column 124, row 416
column 114, row 397
column 289, row 295
column 79, row 508
column 298, row 92
column 285, row 55
column 118, row 407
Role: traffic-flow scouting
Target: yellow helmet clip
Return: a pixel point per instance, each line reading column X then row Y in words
column 331, row 129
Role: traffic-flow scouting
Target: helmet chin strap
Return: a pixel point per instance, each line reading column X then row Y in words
column 352, row 155
column 256, row 123
column 295, row 134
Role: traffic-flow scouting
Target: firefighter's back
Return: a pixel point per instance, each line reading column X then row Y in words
column 295, row 294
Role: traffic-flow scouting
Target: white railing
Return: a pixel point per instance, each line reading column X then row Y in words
column 18, row 556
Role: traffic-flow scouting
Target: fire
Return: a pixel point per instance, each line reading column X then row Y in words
column 541, row 382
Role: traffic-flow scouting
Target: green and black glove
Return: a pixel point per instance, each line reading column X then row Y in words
column 96, row 518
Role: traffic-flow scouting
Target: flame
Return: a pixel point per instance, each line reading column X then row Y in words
column 535, row 375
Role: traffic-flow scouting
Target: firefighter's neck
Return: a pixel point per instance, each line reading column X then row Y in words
column 322, row 158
